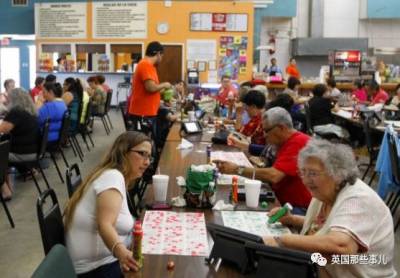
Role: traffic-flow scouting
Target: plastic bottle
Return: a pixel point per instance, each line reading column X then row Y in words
column 281, row 212
column 137, row 236
column 234, row 189
column 208, row 151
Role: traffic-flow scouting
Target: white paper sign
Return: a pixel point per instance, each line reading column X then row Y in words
column 119, row 19
column 201, row 50
column 60, row 20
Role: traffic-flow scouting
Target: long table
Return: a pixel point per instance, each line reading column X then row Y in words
column 176, row 134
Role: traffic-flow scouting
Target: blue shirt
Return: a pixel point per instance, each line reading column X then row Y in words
column 384, row 167
column 54, row 110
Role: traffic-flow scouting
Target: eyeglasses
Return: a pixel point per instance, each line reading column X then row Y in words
column 310, row 174
column 144, row 155
column 267, row 130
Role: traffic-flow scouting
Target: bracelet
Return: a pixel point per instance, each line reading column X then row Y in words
column 115, row 245
column 278, row 241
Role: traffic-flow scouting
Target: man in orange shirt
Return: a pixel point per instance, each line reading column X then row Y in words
column 291, row 69
column 145, row 99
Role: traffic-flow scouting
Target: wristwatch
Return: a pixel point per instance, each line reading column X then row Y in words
column 240, row 170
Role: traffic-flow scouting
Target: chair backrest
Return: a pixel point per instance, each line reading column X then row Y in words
column 43, row 140
column 122, row 108
column 89, row 110
column 66, row 123
column 108, row 100
column 57, row 263
column 4, row 151
column 394, row 158
column 50, row 221
column 74, row 178
column 367, row 135
column 308, row 119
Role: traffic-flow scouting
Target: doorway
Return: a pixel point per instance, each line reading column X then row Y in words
column 9, row 65
column 170, row 69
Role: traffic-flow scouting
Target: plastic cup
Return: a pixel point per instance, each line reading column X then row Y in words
column 252, row 189
column 192, row 116
column 160, row 187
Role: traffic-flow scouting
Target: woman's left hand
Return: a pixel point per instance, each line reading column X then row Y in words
column 270, row 241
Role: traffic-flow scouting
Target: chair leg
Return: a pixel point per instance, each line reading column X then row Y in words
column 72, row 145
column 36, row 182
column 78, row 148
column 10, row 219
column 109, row 120
column 105, row 125
column 397, row 224
column 90, row 138
column 86, row 142
column 57, row 168
column 63, row 156
column 366, row 171
column 44, row 176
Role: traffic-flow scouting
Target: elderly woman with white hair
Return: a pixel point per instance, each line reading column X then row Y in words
column 22, row 124
column 346, row 218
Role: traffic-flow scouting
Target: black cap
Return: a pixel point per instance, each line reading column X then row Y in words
column 153, row 48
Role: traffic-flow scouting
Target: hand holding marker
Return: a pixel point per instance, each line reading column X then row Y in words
column 280, row 213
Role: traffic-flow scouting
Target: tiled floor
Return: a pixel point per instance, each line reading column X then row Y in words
column 21, row 248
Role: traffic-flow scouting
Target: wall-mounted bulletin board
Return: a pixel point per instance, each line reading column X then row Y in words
column 219, row 22
column 232, row 56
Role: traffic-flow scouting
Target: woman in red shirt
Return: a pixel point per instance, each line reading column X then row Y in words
column 35, row 92
column 254, row 102
column 291, row 69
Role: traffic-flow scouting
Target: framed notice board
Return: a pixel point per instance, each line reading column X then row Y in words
column 219, row 22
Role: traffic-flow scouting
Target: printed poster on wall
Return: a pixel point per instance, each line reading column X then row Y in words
column 120, row 19
column 201, row 50
column 60, row 20
column 232, row 56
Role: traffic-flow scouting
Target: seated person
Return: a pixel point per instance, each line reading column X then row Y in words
column 345, row 216
column 68, row 90
column 377, row 94
column 334, row 93
column 254, row 103
column 97, row 220
column 9, row 85
column 283, row 175
column 35, row 92
column 396, row 99
column 98, row 96
column 102, row 82
column 359, row 92
column 53, row 108
column 73, row 98
column 321, row 106
column 165, row 119
column 226, row 92
column 22, row 124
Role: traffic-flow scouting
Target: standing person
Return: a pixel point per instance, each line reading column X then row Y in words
column 145, row 99
column 291, row 69
column 273, row 69
column 35, row 92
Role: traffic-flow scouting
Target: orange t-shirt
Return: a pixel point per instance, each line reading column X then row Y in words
column 293, row 71
column 144, row 103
